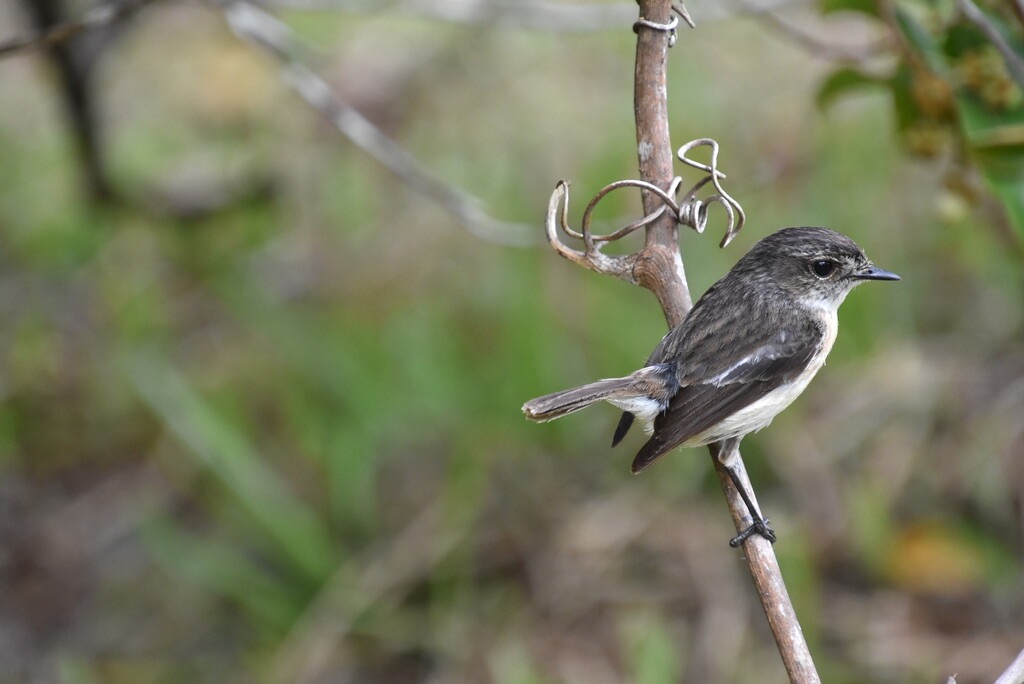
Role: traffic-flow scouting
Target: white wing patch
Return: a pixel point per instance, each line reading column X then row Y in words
column 730, row 374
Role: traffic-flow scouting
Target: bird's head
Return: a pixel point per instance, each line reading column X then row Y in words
column 815, row 266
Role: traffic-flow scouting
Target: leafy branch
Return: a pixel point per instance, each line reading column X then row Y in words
column 956, row 90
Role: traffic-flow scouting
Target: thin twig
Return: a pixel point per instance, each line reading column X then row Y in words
column 1015, row 673
column 93, row 19
column 273, row 36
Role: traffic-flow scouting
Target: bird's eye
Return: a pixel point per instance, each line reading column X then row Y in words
column 823, row 268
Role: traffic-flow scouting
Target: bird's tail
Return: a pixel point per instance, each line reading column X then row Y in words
column 559, row 404
column 648, row 383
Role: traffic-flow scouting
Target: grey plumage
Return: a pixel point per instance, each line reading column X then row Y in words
column 745, row 350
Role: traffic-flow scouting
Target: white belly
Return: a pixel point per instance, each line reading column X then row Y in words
column 756, row 416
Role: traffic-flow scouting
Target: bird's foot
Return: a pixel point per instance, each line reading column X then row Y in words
column 759, row 526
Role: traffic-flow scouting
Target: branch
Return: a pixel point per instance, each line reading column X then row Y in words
column 663, row 273
column 659, row 268
column 768, row 580
column 93, row 19
column 276, row 38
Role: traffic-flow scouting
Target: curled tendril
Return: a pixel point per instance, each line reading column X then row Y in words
column 669, row 28
column 737, row 217
column 688, row 210
column 619, row 266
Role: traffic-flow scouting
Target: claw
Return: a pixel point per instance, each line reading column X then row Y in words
column 760, row 527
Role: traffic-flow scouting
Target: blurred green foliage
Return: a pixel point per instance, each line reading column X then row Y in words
column 278, row 438
column 953, row 90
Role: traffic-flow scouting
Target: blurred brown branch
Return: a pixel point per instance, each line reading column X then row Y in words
column 268, row 33
column 97, row 17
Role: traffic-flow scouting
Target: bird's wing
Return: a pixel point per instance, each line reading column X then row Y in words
column 700, row 345
column 724, row 388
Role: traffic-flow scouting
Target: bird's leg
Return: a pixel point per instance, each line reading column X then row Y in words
column 759, row 524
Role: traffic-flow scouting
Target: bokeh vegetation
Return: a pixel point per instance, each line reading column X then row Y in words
column 259, row 417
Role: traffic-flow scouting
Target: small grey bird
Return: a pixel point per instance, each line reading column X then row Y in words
column 743, row 353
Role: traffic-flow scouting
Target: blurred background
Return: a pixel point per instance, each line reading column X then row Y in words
column 259, row 395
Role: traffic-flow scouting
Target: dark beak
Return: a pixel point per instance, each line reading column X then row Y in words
column 875, row 273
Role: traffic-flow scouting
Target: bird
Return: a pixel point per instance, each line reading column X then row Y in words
column 743, row 353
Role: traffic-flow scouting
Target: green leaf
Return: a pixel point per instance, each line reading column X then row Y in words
column 984, row 126
column 996, row 142
column 843, row 81
column 1003, row 171
column 962, row 38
